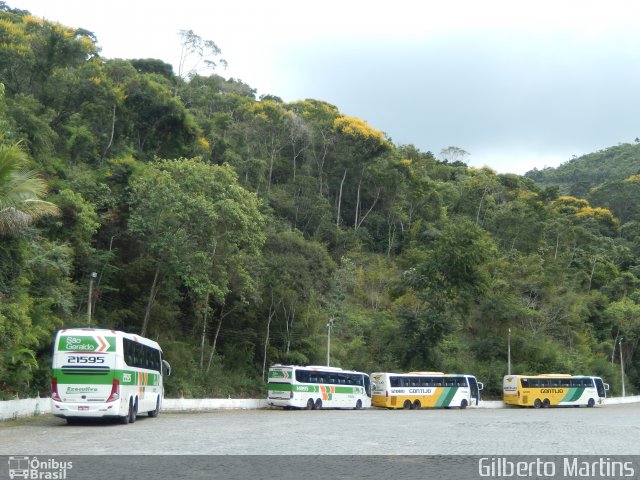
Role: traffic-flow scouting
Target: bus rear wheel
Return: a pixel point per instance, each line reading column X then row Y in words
column 154, row 413
column 546, row 403
column 407, row 404
column 318, row 404
column 310, row 404
column 416, row 405
column 125, row 420
column 591, row 403
column 537, row 403
column 133, row 412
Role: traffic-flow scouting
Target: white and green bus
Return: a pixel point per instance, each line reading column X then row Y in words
column 106, row 373
column 313, row 387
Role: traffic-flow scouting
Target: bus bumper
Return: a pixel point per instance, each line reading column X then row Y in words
column 88, row 410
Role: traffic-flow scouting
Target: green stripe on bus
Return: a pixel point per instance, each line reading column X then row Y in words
column 573, row 394
column 446, row 396
column 86, row 376
column 287, row 387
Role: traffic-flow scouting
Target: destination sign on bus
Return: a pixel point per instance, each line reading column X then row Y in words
column 76, row 343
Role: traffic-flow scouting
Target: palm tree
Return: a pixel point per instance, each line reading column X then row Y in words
column 21, row 191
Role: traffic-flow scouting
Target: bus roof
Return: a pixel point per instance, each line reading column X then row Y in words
column 314, row 367
column 104, row 331
column 435, row 374
column 551, row 375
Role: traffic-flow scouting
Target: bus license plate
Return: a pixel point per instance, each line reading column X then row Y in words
column 83, row 407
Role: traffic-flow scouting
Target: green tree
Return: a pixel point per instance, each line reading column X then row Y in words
column 217, row 230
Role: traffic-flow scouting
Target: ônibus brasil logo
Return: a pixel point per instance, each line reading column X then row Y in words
column 34, row 468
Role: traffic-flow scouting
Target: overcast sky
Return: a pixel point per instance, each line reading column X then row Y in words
column 517, row 84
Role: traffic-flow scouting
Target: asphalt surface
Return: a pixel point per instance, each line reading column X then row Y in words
column 608, row 430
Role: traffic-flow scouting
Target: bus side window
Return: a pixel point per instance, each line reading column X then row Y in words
column 126, row 347
column 525, row 382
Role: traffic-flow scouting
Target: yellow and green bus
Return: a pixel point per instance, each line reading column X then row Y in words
column 553, row 389
column 106, row 373
column 415, row 390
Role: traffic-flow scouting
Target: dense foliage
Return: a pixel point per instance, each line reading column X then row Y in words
column 232, row 229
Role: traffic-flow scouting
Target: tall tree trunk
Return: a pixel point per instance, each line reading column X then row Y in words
column 272, row 312
column 362, row 218
column 113, row 129
column 152, row 298
column 391, row 234
column 593, row 269
column 355, row 224
column 484, row 192
column 204, row 330
column 215, row 337
column 289, row 316
column 340, row 199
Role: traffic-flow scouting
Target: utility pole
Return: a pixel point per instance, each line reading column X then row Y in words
column 90, row 299
column 622, row 369
column 329, row 325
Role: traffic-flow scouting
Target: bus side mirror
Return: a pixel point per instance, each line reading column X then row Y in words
column 606, row 386
column 166, row 368
column 480, row 386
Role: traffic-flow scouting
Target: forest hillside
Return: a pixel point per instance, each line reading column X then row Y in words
column 232, row 229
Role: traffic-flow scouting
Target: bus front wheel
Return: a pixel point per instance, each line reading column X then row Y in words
column 358, row 404
column 591, row 403
column 537, row 403
column 407, row 404
column 463, row 404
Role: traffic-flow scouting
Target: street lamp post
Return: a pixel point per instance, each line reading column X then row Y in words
column 622, row 369
column 329, row 325
column 90, row 299
column 509, row 353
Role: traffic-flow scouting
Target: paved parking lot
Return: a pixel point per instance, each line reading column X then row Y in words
column 609, row 430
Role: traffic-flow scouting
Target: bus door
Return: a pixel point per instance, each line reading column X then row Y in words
column 475, row 390
column 600, row 387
